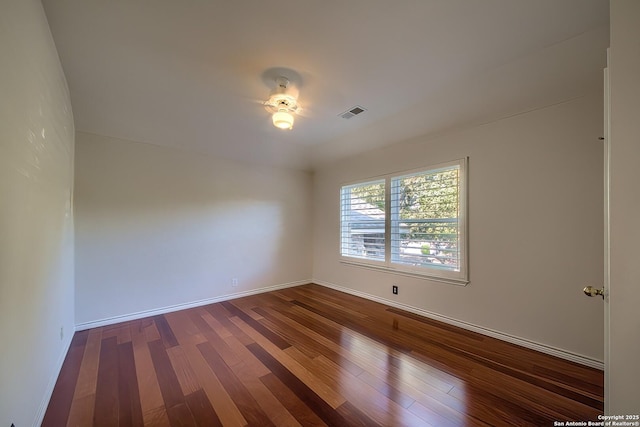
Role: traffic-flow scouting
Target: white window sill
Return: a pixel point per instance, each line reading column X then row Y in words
column 385, row 269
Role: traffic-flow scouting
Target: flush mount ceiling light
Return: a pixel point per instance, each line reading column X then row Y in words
column 283, row 104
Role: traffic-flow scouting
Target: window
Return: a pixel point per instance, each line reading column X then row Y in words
column 425, row 230
column 363, row 220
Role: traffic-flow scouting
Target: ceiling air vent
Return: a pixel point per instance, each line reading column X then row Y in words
column 352, row 112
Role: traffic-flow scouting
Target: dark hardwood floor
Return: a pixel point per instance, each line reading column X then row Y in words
column 311, row 356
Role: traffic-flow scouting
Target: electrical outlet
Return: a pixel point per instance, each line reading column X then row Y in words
column 234, row 282
column 394, row 289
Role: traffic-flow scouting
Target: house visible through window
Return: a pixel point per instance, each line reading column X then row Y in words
column 413, row 223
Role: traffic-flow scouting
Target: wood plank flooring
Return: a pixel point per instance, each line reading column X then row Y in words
column 311, row 356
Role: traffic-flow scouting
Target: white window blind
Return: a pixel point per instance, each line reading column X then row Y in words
column 417, row 226
column 363, row 220
column 425, row 228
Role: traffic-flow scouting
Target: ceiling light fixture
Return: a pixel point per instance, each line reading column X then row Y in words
column 283, row 119
column 283, row 104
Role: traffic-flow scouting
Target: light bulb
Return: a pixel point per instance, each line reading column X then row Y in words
column 283, row 120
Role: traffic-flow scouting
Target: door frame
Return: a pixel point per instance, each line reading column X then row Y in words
column 607, row 223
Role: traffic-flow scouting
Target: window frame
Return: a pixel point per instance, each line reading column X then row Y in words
column 456, row 277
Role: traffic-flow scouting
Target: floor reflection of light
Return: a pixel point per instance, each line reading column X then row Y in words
column 398, row 372
column 385, row 365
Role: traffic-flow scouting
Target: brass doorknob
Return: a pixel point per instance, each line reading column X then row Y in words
column 592, row 292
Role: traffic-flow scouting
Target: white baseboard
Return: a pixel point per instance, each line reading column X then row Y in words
column 42, row 409
column 543, row 348
column 183, row 306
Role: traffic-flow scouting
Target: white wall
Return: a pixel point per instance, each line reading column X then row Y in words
column 36, row 221
column 536, row 226
column 158, row 227
column 624, row 68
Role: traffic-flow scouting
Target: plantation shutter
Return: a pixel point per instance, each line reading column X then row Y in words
column 363, row 220
column 425, row 229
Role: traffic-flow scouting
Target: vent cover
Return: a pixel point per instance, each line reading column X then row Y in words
column 352, row 112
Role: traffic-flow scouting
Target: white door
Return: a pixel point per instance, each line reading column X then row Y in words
column 604, row 292
column 607, row 248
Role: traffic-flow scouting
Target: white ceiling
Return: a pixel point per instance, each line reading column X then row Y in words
column 187, row 73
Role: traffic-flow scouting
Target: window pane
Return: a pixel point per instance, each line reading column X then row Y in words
column 425, row 219
column 363, row 220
